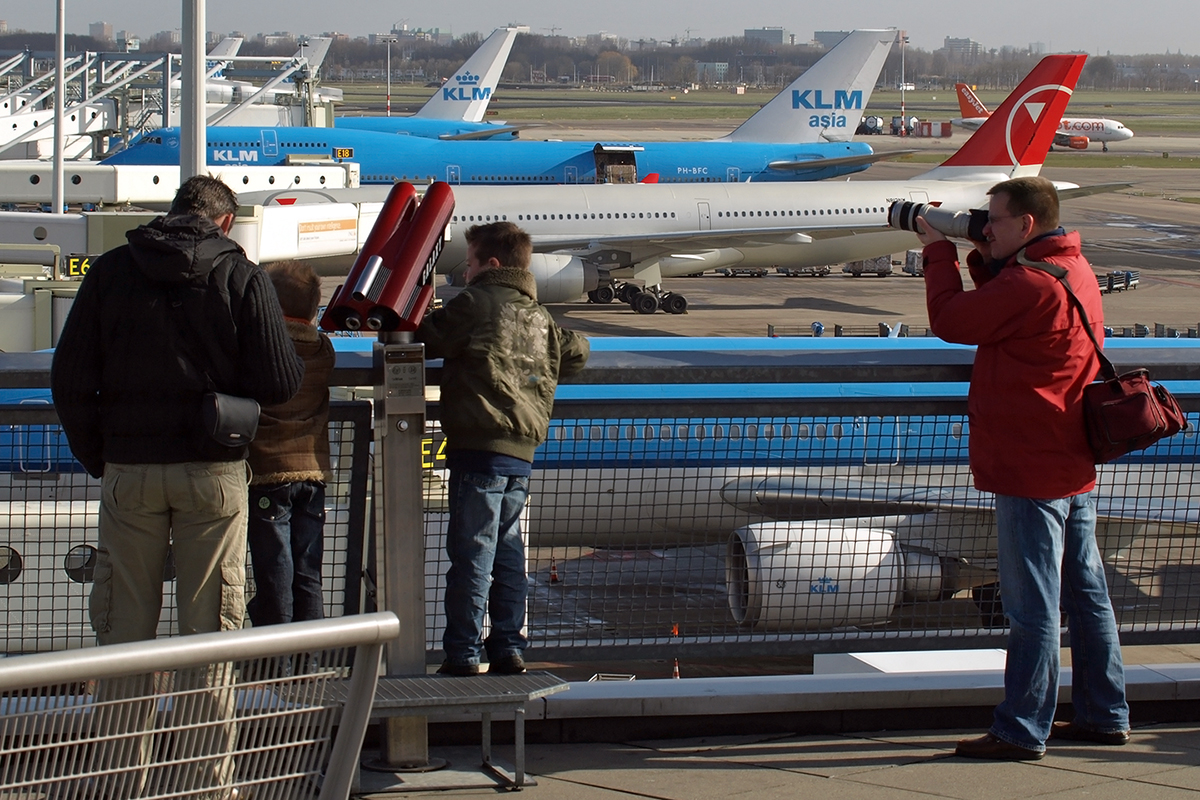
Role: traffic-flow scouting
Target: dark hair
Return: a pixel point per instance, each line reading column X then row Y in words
column 206, row 197
column 1035, row 196
column 298, row 287
column 503, row 241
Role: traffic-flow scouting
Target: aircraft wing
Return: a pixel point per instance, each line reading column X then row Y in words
column 803, row 497
column 1084, row 191
column 486, row 133
column 845, row 161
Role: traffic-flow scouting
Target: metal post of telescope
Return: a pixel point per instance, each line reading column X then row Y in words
column 399, row 517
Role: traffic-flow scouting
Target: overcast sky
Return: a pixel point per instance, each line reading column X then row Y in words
column 1095, row 26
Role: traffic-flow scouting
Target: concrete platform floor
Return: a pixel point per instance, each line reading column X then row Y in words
column 1161, row 762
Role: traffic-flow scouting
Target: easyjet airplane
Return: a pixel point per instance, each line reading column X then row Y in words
column 1073, row 132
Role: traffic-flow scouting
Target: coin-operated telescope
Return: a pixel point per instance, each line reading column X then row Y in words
column 391, row 283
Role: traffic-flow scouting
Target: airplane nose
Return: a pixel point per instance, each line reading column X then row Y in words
column 1126, row 133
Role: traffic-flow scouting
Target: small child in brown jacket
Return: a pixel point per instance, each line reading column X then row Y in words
column 290, row 460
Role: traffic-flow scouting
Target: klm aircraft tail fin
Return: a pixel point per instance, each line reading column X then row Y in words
column 465, row 96
column 826, row 103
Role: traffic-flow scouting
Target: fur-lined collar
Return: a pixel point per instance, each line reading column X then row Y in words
column 512, row 277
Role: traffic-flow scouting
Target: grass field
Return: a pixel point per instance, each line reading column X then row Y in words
column 1151, row 113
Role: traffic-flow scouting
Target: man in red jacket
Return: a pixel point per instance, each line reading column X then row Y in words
column 1028, row 445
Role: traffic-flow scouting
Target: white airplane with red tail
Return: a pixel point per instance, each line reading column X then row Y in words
column 1073, row 132
column 596, row 239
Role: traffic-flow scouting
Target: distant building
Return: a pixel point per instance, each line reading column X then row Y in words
column 777, row 36
column 3, row 26
column 711, row 71
column 829, row 39
column 965, row 51
column 101, row 31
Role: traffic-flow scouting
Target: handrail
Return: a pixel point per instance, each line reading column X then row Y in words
column 181, row 652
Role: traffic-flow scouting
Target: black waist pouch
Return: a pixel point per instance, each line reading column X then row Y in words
column 229, row 420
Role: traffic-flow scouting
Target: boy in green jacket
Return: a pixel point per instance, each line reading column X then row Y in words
column 503, row 355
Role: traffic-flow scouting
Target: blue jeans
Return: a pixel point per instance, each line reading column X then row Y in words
column 487, row 566
column 286, row 536
column 1048, row 557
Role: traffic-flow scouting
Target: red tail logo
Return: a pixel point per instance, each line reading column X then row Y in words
column 1022, row 129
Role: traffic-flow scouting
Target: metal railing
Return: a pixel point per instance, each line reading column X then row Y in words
column 244, row 713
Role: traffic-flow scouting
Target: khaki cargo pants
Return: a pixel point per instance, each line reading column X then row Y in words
column 199, row 510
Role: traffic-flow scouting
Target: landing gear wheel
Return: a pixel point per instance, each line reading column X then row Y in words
column 645, row 303
column 991, row 606
column 603, row 295
column 675, row 304
column 627, row 292
column 1105, row 148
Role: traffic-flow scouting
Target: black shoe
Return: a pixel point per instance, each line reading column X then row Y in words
column 988, row 746
column 1069, row 731
column 507, row 665
column 448, row 667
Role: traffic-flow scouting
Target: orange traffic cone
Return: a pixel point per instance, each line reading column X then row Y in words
column 553, row 570
column 675, row 671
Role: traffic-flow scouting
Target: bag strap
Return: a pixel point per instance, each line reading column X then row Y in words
column 1106, row 366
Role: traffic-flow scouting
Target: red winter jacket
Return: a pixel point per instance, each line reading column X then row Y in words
column 1032, row 363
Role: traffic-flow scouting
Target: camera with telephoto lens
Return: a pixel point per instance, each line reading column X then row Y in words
column 956, row 224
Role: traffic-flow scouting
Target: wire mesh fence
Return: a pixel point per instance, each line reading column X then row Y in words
column 804, row 531
column 658, row 528
column 48, row 516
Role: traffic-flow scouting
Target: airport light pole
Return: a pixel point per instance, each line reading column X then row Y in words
column 60, row 54
column 389, row 39
column 903, row 85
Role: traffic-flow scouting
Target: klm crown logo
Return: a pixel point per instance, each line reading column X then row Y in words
column 468, row 89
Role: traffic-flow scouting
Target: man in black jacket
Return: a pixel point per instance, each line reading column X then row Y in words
column 157, row 323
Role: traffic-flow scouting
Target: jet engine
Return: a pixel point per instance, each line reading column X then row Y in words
column 815, row 575
column 1073, row 142
column 562, row 278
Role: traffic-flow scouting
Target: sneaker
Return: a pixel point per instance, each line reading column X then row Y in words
column 1077, row 733
column 507, row 665
column 449, row 667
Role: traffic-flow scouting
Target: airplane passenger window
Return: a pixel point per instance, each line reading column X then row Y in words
column 735, row 431
column 630, row 432
column 956, row 430
column 612, row 433
column 701, row 431
column 769, row 431
column 648, row 432
column 718, row 431
column 802, row 432
column 819, row 431
column 665, row 432
column 837, row 431
column 683, row 432
column 596, row 433
column 787, row 432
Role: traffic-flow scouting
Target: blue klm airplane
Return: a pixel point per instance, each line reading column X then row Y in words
column 456, row 110
column 802, row 134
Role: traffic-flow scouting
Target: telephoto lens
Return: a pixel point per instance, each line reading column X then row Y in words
column 957, row 224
